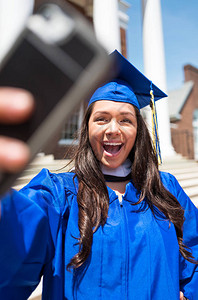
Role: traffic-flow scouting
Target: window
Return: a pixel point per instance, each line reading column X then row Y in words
column 72, row 125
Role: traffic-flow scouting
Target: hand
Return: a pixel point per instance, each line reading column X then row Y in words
column 16, row 105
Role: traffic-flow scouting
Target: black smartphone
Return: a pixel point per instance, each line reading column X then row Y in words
column 56, row 58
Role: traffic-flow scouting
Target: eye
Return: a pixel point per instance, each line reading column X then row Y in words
column 126, row 120
column 101, row 120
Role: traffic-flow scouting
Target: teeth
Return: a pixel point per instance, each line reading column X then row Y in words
column 112, row 144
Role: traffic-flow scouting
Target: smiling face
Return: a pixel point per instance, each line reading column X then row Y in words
column 112, row 131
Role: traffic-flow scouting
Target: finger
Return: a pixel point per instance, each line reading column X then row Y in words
column 181, row 296
column 14, row 155
column 16, row 105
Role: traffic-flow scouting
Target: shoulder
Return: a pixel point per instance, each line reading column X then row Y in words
column 52, row 189
column 171, row 183
column 58, row 181
column 168, row 180
column 66, row 180
column 173, row 186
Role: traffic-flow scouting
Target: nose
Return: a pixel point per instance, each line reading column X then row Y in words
column 113, row 127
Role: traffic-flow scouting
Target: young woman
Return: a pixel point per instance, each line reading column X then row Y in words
column 116, row 228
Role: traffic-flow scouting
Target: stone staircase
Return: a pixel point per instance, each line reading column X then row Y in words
column 41, row 161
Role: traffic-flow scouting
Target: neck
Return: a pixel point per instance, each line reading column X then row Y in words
column 120, row 174
column 118, row 187
column 117, row 178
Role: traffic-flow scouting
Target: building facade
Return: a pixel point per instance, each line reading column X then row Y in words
column 183, row 105
column 109, row 19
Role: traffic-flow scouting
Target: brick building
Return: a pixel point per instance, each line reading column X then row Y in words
column 183, row 107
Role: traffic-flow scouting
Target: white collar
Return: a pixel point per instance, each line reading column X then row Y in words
column 121, row 171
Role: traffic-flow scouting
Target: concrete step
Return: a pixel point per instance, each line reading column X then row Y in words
column 31, row 172
column 40, row 162
column 55, row 166
column 191, row 191
column 189, row 182
column 182, row 177
column 181, row 165
column 189, row 170
column 177, row 159
column 178, row 163
column 195, row 200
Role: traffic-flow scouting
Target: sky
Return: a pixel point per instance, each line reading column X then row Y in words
column 180, row 29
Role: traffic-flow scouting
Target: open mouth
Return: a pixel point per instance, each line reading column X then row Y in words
column 112, row 148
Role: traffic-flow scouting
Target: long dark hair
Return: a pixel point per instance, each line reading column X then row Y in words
column 93, row 199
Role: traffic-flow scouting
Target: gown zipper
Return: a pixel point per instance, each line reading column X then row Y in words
column 125, row 247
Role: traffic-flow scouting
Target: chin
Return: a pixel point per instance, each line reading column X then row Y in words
column 112, row 165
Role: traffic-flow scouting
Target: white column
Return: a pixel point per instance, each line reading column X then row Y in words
column 106, row 24
column 13, row 14
column 154, row 64
column 123, row 6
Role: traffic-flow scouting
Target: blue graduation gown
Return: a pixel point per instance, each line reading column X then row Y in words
column 134, row 256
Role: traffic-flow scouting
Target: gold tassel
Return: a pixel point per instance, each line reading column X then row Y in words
column 155, row 135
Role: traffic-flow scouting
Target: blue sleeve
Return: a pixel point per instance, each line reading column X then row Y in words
column 188, row 271
column 28, row 228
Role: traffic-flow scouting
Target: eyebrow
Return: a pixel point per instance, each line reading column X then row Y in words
column 127, row 113
column 122, row 113
column 100, row 112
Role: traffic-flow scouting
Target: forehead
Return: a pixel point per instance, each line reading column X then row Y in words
column 111, row 106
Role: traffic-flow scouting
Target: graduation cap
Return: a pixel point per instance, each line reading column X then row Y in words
column 129, row 85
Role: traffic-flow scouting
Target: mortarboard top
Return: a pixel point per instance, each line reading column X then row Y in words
column 129, row 85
